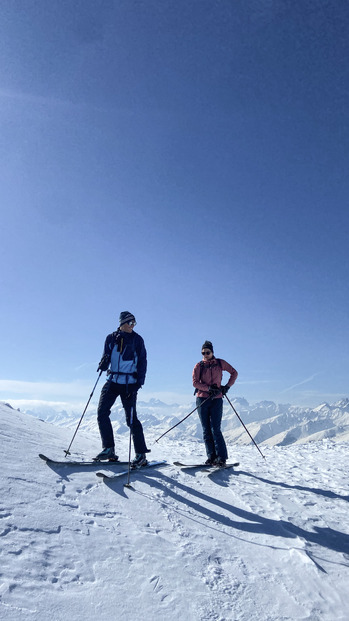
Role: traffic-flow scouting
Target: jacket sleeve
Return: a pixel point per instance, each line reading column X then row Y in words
column 105, row 360
column 233, row 373
column 142, row 361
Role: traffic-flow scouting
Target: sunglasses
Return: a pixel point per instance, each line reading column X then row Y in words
column 206, row 353
column 132, row 323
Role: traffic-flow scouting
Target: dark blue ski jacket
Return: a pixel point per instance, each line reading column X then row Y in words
column 125, row 357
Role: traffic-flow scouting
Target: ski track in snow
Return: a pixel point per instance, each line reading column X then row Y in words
column 268, row 541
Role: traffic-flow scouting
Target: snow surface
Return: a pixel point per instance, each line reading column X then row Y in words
column 268, row 541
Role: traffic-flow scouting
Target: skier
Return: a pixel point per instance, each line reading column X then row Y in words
column 207, row 379
column 125, row 358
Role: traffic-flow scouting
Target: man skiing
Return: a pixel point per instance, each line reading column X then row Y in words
column 125, row 360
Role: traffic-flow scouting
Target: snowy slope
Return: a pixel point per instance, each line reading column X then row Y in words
column 267, row 542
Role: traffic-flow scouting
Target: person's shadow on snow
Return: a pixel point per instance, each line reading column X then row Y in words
column 248, row 522
column 314, row 490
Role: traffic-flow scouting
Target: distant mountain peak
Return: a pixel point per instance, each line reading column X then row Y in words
column 321, row 407
column 343, row 403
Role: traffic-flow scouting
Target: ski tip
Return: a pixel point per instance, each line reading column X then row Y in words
column 43, row 457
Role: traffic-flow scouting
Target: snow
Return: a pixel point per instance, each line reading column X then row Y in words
column 268, row 541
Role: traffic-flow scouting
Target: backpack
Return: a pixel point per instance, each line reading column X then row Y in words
column 127, row 354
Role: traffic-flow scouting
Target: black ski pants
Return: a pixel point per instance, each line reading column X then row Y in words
column 210, row 413
column 109, row 393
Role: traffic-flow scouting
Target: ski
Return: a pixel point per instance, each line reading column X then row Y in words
column 205, row 466
column 150, row 464
column 68, row 462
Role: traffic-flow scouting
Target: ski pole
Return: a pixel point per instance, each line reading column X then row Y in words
column 181, row 421
column 231, row 405
column 129, row 452
column 67, row 452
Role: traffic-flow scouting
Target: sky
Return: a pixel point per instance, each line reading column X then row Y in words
column 186, row 161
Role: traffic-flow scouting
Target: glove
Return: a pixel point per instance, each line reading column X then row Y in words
column 213, row 390
column 104, row 363
column 225, row 389
column 132, row 388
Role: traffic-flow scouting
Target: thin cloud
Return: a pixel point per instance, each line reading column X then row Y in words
column 28, row 98
column 85, row 365
column 305, row 381
column 34, row 99
column 60, row 392
column 39, row 390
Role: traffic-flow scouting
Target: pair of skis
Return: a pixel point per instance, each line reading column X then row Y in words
column 205, row 467
column 108, row 464
column 150, row 464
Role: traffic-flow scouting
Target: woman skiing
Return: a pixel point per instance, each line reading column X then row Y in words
column 207, row 379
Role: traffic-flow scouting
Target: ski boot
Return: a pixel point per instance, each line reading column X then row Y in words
column 108, row 454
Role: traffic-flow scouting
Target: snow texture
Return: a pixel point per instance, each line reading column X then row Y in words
column 268, row 541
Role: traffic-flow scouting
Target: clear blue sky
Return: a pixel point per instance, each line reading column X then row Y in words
column 186, row 161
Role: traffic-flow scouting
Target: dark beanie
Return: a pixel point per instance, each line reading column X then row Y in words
column 125, row 317
column 207, row 345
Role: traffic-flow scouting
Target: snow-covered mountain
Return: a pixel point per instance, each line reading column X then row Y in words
column 269, row 423
column 268, row 541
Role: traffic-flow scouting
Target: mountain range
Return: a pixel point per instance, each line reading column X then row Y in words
column 268, row 423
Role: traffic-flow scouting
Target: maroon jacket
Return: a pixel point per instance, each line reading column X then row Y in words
column 211, row 372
